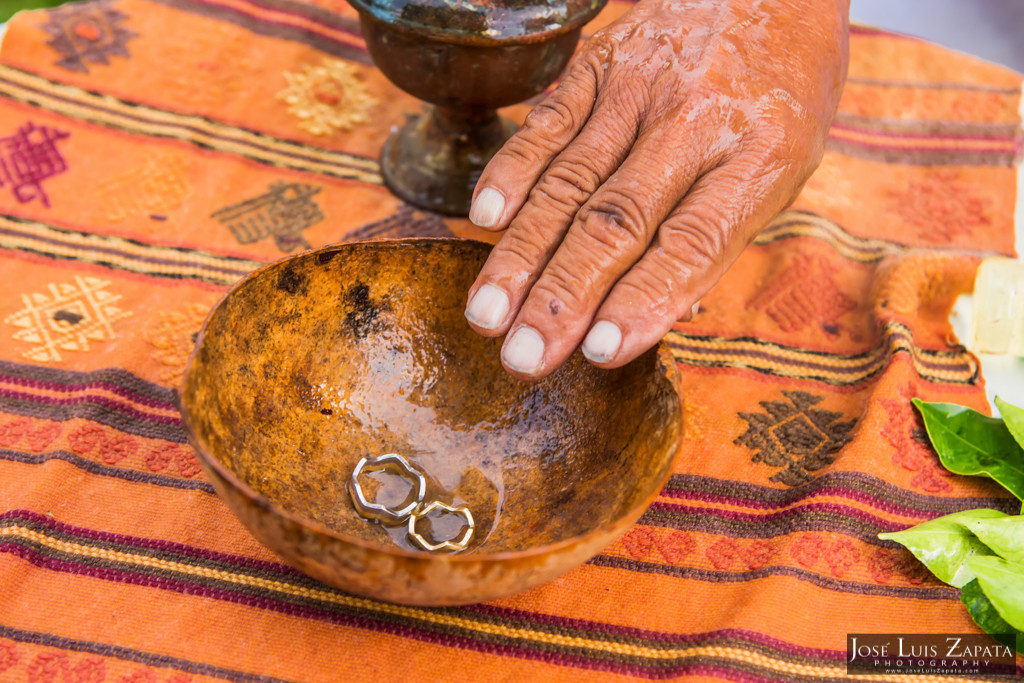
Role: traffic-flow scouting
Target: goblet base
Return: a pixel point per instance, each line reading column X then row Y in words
column 435, row 160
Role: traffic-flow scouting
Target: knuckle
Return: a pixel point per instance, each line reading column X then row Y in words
column 525, row 150
column 552, row 118
column 616, row 220
column 590, row 62
column 567, row 184
column 697, row 239
column 772, row 136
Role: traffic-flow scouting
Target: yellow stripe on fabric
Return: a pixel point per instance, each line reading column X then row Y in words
column 801, row 224
column 727, row 347
column 797, row 363
column 84, row 255
column 111, row 242
column 220, row 137
column 424, row 615
column 44, row 239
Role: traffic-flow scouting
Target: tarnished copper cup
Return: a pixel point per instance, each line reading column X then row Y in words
column 467, row 58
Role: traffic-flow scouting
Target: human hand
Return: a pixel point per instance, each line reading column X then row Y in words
column 675, row 135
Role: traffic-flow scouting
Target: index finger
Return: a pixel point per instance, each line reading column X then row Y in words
column 507, row 179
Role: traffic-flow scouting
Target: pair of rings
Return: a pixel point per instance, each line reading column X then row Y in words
column 412, row 512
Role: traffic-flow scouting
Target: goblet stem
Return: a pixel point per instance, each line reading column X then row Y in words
column 435, row 159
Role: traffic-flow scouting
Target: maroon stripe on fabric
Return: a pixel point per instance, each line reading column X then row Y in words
column 125, row 654
column 660, row 636
column 921, row 157
column 936, row 592
column 96, row 384
column 113, row 251
column 273, row 29
column 491, row 613
column 521, row 648
column 754, row 494
column 93, row 398
column 923, row 149
column 155, row 544
column 118, row 376
column 924, row 135
column 309, row 12
column 843, row 510
column 103, row 470
column 836, row 491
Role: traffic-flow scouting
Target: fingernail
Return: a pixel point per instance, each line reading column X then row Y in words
column 523, row 351
column 488, row 308
column 487, row 208
column 603, row 341
column 695, row 310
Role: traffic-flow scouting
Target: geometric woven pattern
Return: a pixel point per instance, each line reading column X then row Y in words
column 795, row 436
column 87, row 33
column 185, row 143
column 67, row 318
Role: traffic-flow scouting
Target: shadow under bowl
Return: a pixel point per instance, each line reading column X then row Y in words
column 312, row 363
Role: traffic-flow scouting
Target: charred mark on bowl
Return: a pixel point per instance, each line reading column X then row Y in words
column 361, row 319
column 292, row 281
column 325, row 257
column 326, row 411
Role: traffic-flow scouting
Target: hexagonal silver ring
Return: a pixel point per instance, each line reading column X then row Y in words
column 382, row 513
column 453, row 545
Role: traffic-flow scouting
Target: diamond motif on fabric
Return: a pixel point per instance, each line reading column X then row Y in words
column 87, row 32
column 804, row 294
column 69, row 317
column 795, row 436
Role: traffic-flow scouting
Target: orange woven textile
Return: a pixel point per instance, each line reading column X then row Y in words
column 140, row 140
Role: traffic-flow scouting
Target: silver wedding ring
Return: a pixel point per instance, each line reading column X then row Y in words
column 383, row 513
column 411, row 512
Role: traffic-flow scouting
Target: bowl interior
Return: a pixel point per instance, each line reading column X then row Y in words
column 324, row 358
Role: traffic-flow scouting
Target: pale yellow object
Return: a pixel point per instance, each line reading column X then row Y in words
column 998, row 319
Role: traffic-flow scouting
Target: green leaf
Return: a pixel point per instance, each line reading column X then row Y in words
column 987, row 618
column 945, row 544
column 1004, row 537
column 1003, row 584
column 1013, row 418
column 974, row 444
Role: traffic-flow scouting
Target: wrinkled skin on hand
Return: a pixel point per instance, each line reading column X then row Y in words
column 675, row 135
